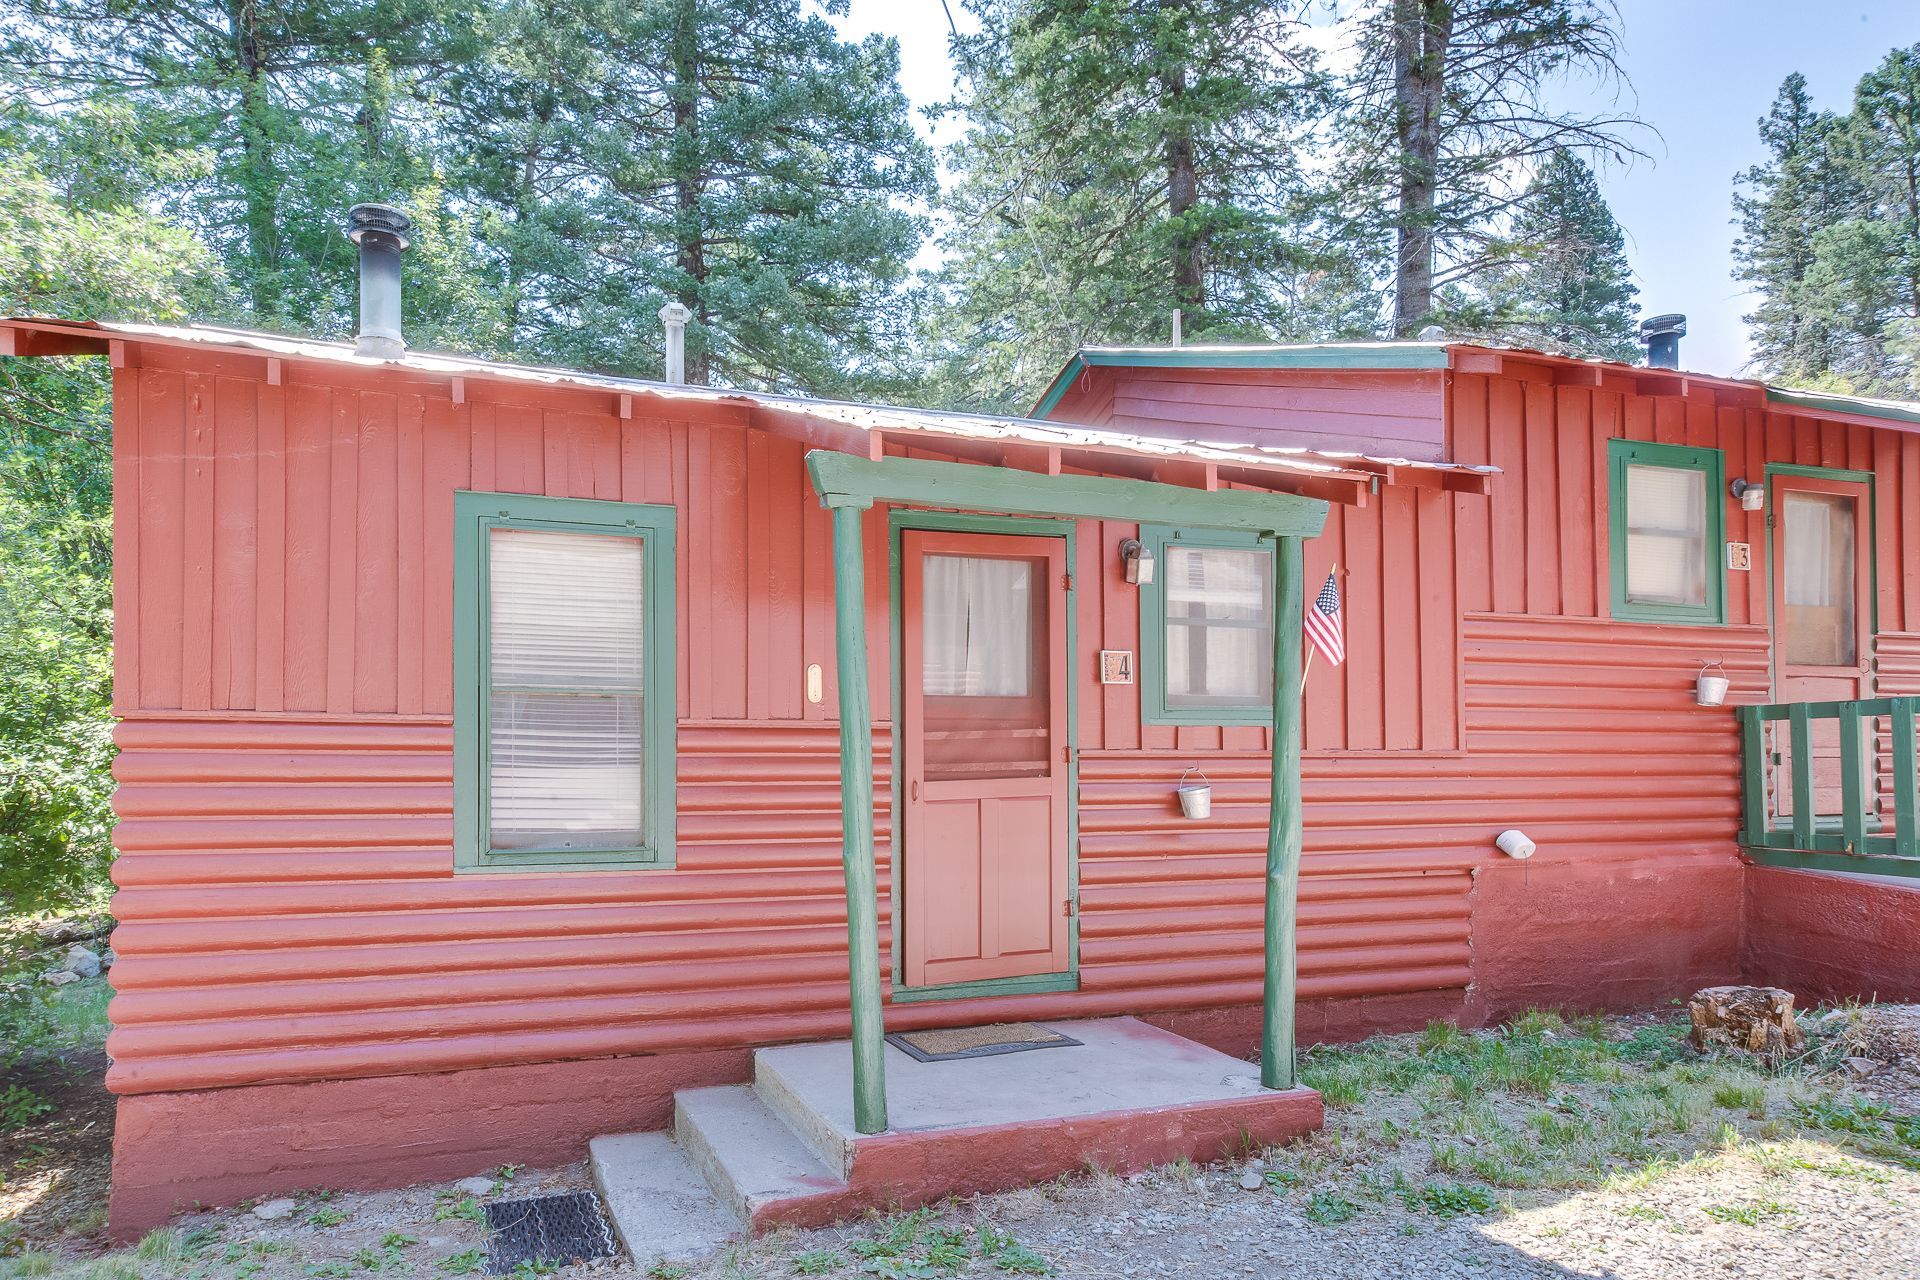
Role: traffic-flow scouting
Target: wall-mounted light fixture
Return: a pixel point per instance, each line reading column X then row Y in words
column 1138, row 559
column 1752, row 496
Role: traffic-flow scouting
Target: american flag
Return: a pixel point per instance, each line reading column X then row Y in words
column 1323, row 622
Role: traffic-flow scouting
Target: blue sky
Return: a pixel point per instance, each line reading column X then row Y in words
column 1702, row 71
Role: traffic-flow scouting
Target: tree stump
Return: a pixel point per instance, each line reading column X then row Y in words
column 1756, row 1020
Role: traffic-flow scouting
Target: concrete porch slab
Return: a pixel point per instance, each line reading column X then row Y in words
column 784, row 1151
column 1129, row 1096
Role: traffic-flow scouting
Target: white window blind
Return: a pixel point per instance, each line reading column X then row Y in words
column 1219, row 627
column 1666, row 535
column 566, row 723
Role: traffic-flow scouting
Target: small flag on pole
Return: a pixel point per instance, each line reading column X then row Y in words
column 1324, row 627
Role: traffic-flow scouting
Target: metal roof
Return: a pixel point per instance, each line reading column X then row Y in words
column 1252, row 464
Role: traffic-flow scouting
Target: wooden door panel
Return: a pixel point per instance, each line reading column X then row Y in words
column 985, row 863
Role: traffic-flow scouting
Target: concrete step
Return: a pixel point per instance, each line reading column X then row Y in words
column 661, row 1209
column 785, row 1097
column 761, row 1169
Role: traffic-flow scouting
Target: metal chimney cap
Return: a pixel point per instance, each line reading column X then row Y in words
column 676, row 313
column 381, row 221
column 1671, row 323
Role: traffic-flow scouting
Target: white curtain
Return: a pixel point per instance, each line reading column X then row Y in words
column 977, row 627
column 1666, row 535
column 568, row 733
column 1809, row 521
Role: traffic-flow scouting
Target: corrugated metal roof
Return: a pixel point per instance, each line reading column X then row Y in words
column 866, row 418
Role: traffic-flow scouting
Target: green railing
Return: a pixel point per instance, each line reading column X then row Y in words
column 1831, row 785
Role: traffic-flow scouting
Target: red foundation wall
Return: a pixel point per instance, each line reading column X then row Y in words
column 1824, row 936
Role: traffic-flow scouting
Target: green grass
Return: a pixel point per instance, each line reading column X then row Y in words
column 1751, row 1214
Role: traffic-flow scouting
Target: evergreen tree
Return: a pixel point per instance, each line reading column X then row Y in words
column 72, row 243
column 1125, row 160
column 733, row 155
column 1571, row 289
column 1804, row 186
column 1450, row 100
column 290, row 114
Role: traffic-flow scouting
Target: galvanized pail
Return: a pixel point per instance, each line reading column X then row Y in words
column 1196, row 798
column 1710, row 690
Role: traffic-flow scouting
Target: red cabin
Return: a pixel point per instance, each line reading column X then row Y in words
column 504, row 750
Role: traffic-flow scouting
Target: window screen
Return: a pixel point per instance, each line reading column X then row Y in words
column 567, row 690
column 1666, row 535
column 1218, row 650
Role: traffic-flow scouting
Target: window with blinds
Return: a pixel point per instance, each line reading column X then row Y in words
column 567, row 693
column 1207, row 629
column 1667, row 510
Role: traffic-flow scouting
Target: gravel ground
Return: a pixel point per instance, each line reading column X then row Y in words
column 1801, row 1174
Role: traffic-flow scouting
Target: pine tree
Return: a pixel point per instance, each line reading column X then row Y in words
column 734, row 155
column 1782, row 205
column 279, row 118
column 1571, row 290
column 1124, row 161
column 1450, row 100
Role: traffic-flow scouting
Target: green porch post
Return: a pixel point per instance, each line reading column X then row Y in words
column 856, row 818
column 1283, row 821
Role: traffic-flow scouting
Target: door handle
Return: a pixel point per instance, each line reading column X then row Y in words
column 913, row 789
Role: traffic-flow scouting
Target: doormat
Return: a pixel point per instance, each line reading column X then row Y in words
column 546, row 1231
column 978, row 1042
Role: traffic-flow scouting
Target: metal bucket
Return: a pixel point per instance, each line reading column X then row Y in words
column 1196, row 798
column 1710, row 690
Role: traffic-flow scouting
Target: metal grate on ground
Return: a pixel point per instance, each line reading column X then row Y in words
column 552, row 1229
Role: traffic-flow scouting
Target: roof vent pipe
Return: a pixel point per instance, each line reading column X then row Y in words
column 1662, row 335
column 675, row 316
column 381, row 231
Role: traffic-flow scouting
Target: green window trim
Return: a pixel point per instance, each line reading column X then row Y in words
column 475, row 514
column 1711, row 464
column 1153, row 631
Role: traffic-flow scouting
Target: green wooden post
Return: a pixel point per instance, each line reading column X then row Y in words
column 856, row 819
column 1283, row 821
column 1800, row 735
column 1753, row 776
column 1853, row 778
column 1905, row 780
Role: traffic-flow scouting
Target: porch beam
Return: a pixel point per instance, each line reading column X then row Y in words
column 1284, row 822
column 842, row 479
column 856, row 820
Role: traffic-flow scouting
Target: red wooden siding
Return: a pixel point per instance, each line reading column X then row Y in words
column 285, row 602
column 1393, row 413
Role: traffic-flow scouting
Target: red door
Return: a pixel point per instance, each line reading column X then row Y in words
column 1822, row 602
column 984, row 881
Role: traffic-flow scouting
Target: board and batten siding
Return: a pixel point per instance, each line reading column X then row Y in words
column 284, row 589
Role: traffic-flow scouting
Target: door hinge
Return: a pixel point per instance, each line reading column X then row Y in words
column 1066, row 581
column 1070, row 908
column 1770, row 520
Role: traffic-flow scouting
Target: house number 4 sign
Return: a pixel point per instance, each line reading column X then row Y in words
column 1116, row 666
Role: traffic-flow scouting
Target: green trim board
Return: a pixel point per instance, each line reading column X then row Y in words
column 475, row 515
column 1153, row 631
column 900, row 520
column 1861, row 406
column 843, row 480
column 1341, row 355
column 1034, row 985
column 1711, row 463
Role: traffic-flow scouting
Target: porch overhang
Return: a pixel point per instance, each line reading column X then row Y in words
column 848, row 486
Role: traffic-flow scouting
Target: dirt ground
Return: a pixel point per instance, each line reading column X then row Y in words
column 1603, row 1149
